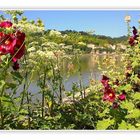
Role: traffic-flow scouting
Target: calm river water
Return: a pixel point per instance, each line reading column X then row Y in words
column 89, row 70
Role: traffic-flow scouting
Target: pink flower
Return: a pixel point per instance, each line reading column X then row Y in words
column 13, row 44
column 105, row 81
column 109, row 95
column 6, row 24
column 122, row 97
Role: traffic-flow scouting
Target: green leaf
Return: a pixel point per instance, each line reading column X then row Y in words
column 2, row 83
column 134, row 114
column 104, row 124
column 23, row 111
column 21, row 118
column 136, row 96
column 11, row 85
column 127, row 105
column 127, row 87
column 126, row 126
column 17, row 76
column 104, row 112
column 123, row 125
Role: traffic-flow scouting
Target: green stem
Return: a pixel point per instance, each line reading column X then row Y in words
column 43, row 94
column 29, row 112
column 60, row 82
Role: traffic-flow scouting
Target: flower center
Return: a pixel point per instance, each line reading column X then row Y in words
column 7, row 42
column 110, row 95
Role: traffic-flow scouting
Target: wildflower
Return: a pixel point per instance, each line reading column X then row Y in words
column 12, row 43
column 134, row 30
column 15, row 65
column 133, row 39
column 7, row 44
column 109, row 95
column 122, row 96
column 19, row 48
column 115, row 105
column 105, row 81
column 5, row 24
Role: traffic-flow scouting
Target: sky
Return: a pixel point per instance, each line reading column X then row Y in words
column 104, row 22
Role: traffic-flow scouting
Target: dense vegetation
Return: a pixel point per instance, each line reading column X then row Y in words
column 29, row 54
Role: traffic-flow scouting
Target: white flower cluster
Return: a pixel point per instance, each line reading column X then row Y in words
column 30, row 28
column 32, row 49
column 54, row 33
column 57, row 33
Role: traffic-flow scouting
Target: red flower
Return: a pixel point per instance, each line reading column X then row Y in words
column 16, row 65
column 19, row 48
column 134, row 37
column 5, row 24
column 115, row 105
column 122, row 97
column 109, row 95
column 13, row 44
column 132, row 41
column 105, row 81
column 134, row 31
column 7, row 44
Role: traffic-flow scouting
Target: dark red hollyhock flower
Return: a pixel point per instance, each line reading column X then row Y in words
column 116, row 82
column 132, row 41
column 122, row 96
column 13, row 44
column 115, row 105
column 105, row 81
column 15, row 65
column 19, row 48
column 7, row 44
column 109, row 95
column 134, row 37
column 6, row 24
column 134, row 30
column 2, row 35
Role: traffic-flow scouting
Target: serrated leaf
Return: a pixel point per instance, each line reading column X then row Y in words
column 136, row 96
column 127, row 105
column 134, row 114
column 126, row 126
column 102, row 114
column 104, row 124
column 123, row 125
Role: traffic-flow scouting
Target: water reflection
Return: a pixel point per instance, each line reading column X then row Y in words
column 85, row 66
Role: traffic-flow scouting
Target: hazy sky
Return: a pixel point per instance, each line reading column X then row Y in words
column 110, row 23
